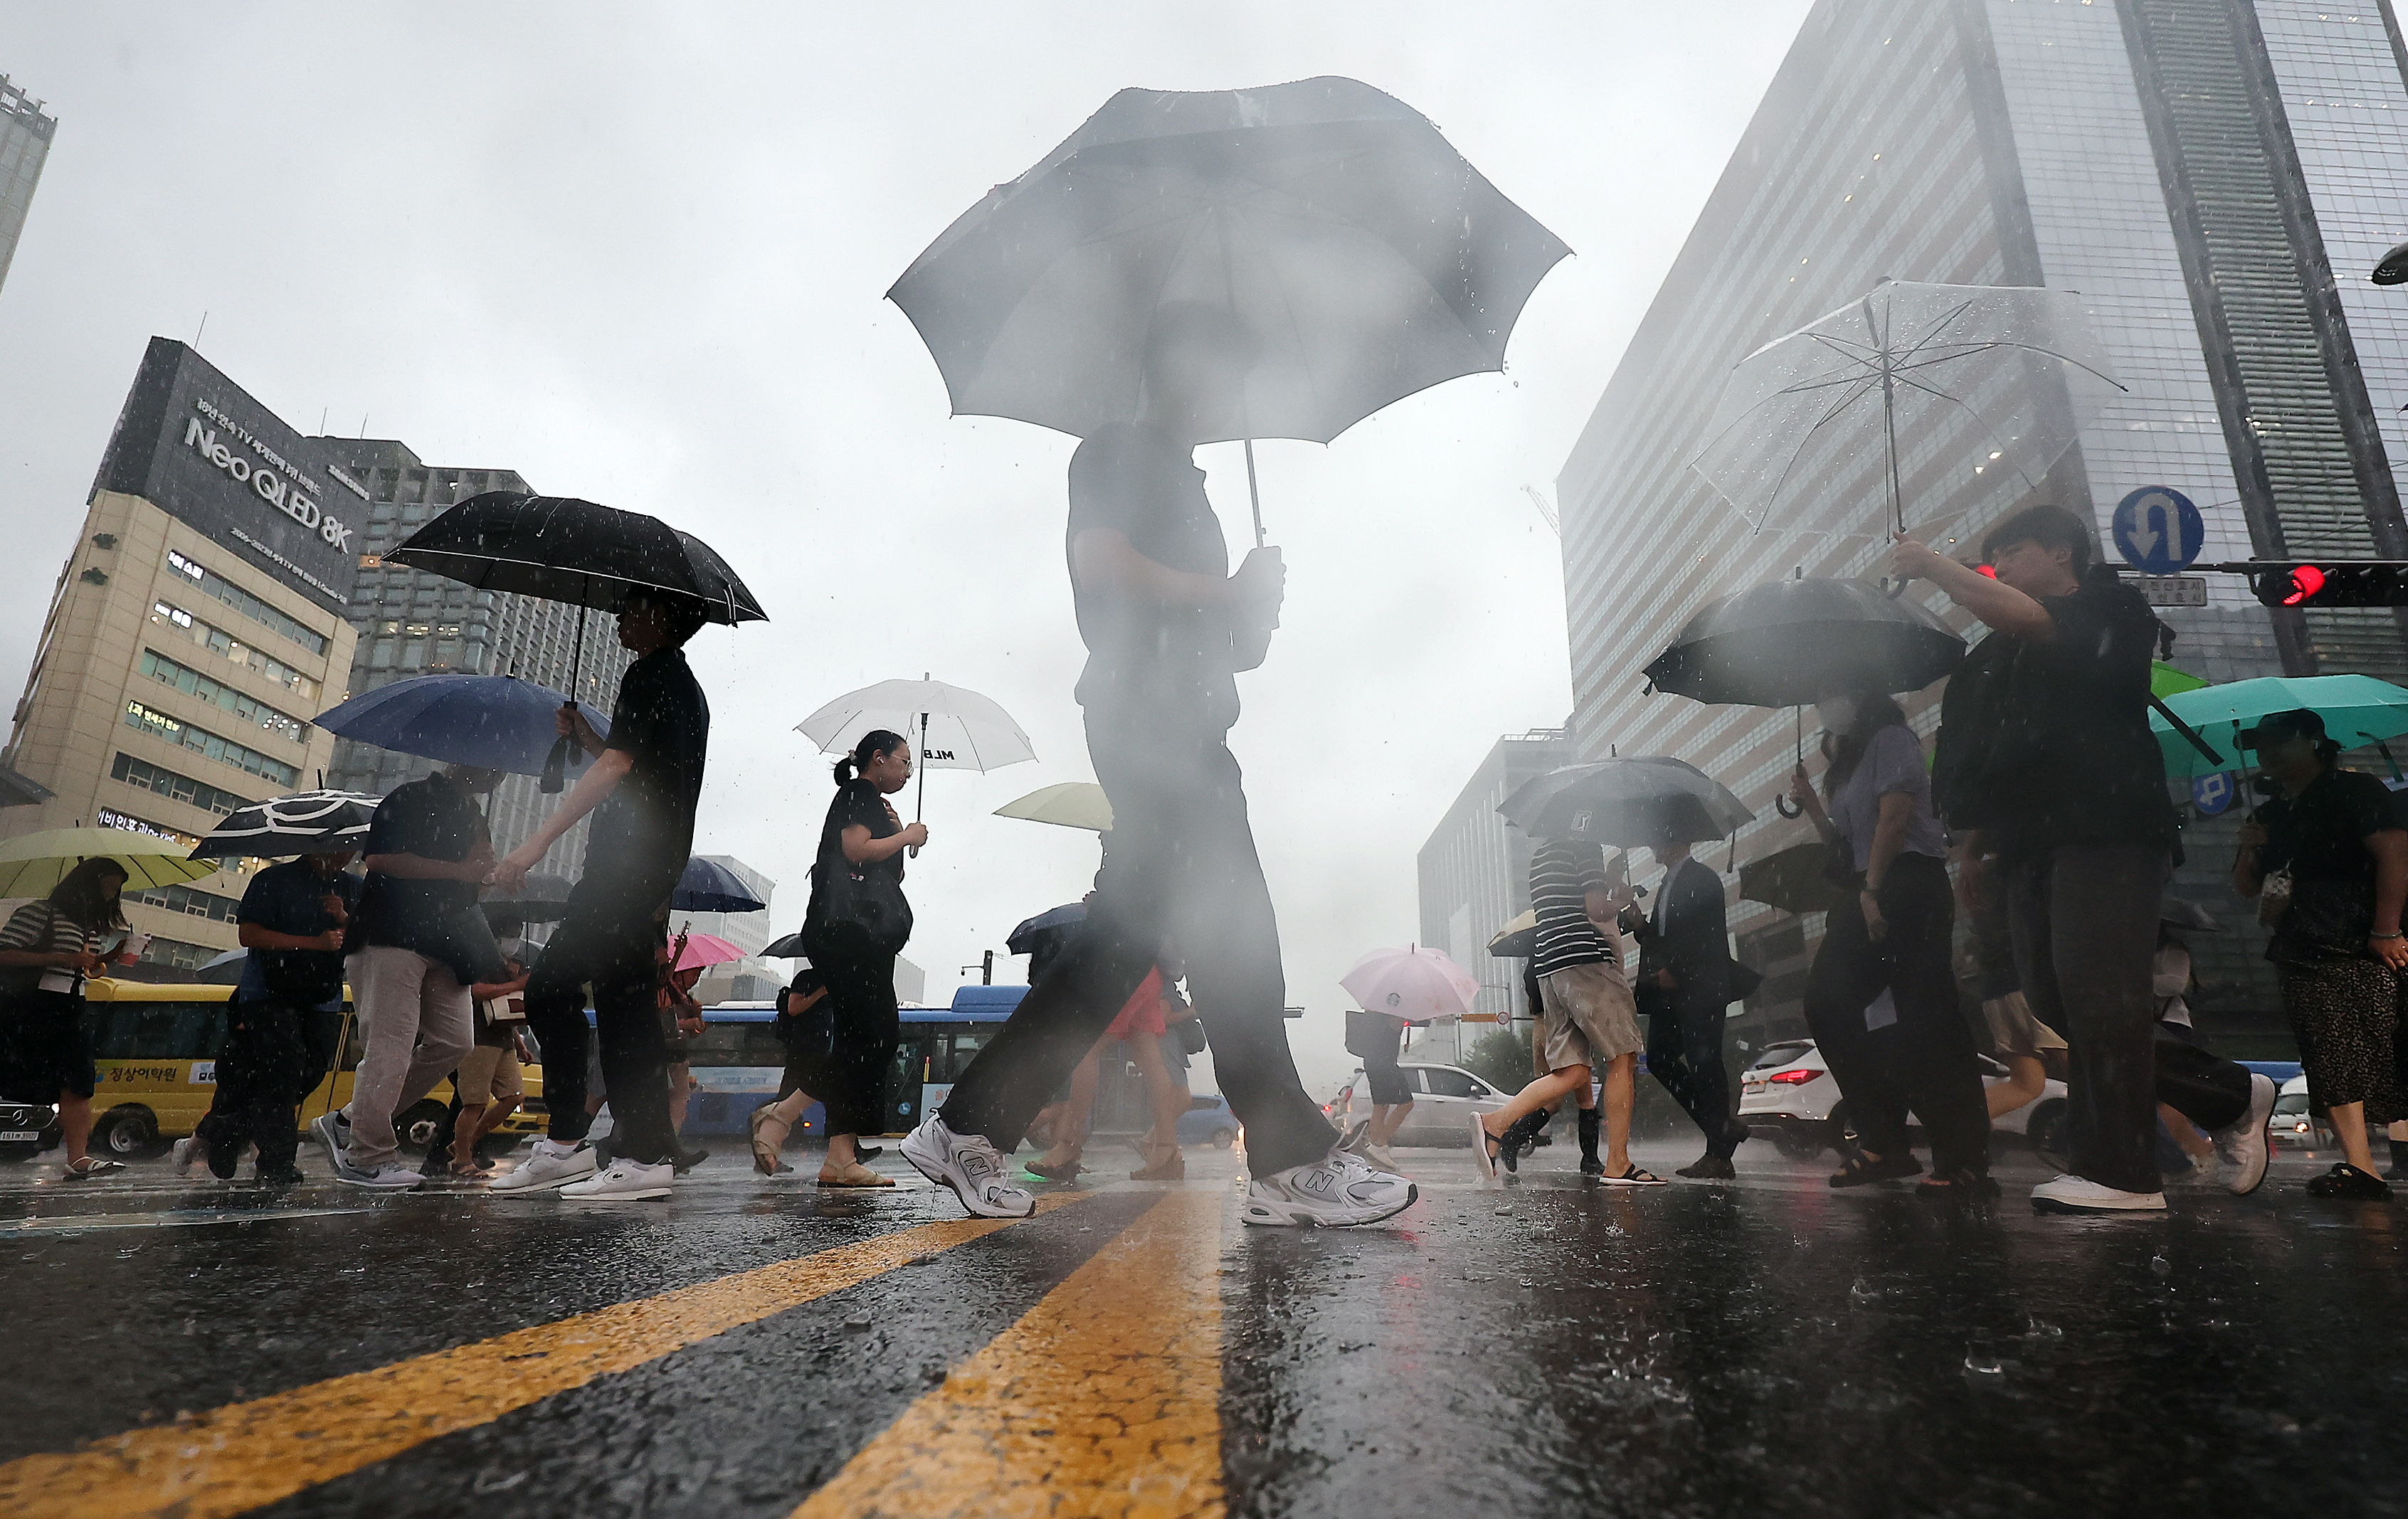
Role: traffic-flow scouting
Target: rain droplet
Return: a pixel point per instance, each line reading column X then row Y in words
column 1984, row 1363
column 2040, row 1328
column 1862, row 1291
column 2161, row 1266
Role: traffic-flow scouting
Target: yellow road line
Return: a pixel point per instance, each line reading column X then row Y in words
column 1105, row 1398
column 237, row 1458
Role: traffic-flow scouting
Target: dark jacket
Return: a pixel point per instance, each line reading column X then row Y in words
column 1688, row 935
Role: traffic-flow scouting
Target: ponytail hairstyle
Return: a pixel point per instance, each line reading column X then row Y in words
column 79, row 896
column 1876, row 710
column 875, row 742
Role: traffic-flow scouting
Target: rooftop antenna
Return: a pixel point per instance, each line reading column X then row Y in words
column 202, row 328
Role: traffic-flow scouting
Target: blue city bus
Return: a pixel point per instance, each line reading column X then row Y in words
column 737, row 1061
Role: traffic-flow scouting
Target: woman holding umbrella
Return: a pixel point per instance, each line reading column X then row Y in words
column 858, row 922
column 1891, row 935
column 46, row 951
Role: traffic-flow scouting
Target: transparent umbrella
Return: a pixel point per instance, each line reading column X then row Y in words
column 1932, row 398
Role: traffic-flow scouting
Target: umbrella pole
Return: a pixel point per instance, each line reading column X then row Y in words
column 1254, row 490
column 920, row 793
column 1780, row 802
column 1246, row 422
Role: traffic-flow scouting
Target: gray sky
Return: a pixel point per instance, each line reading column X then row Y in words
column 637, row 254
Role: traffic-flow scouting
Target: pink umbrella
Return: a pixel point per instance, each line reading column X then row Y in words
column 1418, row 983
column 707, row 950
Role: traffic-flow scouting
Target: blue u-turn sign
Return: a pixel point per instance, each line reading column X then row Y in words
column 2158, row 531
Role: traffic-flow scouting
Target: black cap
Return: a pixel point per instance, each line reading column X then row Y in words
column 2298, row 723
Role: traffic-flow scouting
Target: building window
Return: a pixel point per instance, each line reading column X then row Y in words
column 186, row 900
column 209, row 745
column 167, row 784
column 250, row 606
column 160, row 668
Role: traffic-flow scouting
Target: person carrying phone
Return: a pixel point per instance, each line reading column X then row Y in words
column 48, row 950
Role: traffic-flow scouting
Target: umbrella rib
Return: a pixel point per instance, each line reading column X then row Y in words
column 1978, row 422
column 1797, row 454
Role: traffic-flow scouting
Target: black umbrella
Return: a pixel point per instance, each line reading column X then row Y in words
column 508, row 915
column 788, row 948
column 560, row 549
column 1625, row 802
column 1366, row 257
column 1794, row 880
column 709, row 887
column 1053, row 920
column 304, row 823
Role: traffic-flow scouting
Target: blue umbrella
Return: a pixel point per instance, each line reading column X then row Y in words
column 1060, row 919
column 493, row 721
column 706, row 887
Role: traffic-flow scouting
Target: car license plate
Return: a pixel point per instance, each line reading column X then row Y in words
column 14, row 1136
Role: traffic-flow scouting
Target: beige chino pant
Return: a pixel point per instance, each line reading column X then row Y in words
column 415, row 1027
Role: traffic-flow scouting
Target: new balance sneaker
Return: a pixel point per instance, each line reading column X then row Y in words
column 625, row 1180
column 549, row 1165
column 1335, row 1192
column 2079, row 1195
column 393, row 1176
column 333, row 1132
column 2243, row 1145
column 968, row 1165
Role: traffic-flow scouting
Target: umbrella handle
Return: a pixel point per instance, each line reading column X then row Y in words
column 1893, row 589
column 1786, row 808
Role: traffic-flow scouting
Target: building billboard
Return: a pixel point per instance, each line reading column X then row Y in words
column 195, row 445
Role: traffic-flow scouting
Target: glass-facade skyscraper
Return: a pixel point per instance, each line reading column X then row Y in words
column 24, row 143
column 2214, row 176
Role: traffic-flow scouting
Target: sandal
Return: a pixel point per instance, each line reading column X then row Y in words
column 1634, row 1177
column 92, row 1165
column 1858, row 1170
column 1064, row 1171
column 1170, row 1167
column 1485, row 1147
column 765, row 1151
column 854, row 1175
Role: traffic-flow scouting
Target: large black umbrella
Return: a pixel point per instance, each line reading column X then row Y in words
column 1366, row 258
column 1626, row 802
column 1795, row 880
column 304, row 823
column 1052, row 923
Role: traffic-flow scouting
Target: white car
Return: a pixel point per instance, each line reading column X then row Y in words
column 1443, row 1096
column 1788, row 1095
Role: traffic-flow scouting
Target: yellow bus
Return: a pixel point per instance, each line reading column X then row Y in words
column 157, row 1050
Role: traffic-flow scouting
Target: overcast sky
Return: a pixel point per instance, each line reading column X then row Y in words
column 637, row 254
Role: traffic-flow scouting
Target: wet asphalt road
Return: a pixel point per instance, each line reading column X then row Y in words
column 753, row 1348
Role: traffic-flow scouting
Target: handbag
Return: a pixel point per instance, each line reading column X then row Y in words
column 1191, row 1035
column 853, row 901
column 2275, row 898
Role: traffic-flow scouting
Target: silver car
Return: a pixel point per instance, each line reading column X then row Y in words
column 1442, row 1096
column 1788, row 1096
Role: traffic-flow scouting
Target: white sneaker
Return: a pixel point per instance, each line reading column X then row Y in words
column 2244, row 1144
column 2206, row 1171
column 547, row 1166
column 391, row 1177
column 970, row 1165
column 1339, row 1190
column 2079, row 1195
column 185, row 1152
column 333, row 1132
column 626, row 1180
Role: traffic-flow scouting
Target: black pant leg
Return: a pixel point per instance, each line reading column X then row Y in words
column 1847, row 975
column 241, row 1067
column 865, row 1026
column 1935, row 1060
column 635, row 1050
column 282, row 1058
column 2084, row 921
column 1708, row 1076
column 555, row 1014
column 2209, row 1090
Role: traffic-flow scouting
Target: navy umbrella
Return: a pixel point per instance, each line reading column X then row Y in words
column 1053, row 920
column 788, row 948
column 493, row 722
column 709, row 887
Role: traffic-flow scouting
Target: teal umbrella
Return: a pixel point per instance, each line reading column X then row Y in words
column 2358, row 710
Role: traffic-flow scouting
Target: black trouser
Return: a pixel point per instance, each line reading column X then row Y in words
column 321, row 1041
column 263, row 1075
column 1926, row 1061
column 2085, row 919
column 1181, row 879
column 1685, row 1053
column 616, row 951
column 848, row 1076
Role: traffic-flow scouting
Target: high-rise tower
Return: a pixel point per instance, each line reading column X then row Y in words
column 24, row 143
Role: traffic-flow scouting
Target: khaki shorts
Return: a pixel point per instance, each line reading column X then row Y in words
column 489, row 1074
column 2014, row 1030
column 1587, row 1016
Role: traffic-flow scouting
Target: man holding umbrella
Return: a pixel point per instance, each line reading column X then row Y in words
column 1167, row 629
column 642, row 788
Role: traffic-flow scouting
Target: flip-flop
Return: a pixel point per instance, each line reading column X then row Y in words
column 1485, row 1149
column 1634, row 1177
column 93, row 1166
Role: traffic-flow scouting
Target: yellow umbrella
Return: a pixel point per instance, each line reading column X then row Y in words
column 1072, row 804
column 31, row 866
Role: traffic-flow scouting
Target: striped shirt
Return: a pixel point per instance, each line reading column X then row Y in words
column 1563, row 871
column 44, row 930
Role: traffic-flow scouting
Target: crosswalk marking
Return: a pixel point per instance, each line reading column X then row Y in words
column 245, row 1454
column 172, row 1218
column 1103, row 1399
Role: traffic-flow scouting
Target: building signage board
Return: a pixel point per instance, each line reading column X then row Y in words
column 199, row 447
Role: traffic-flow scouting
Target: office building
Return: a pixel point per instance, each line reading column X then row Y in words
column 412, row 622
column 193, row 633
column 1475, row 870
column 26, row 135
column 2215, row 179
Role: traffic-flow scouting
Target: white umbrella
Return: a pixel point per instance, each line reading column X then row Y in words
column 1071, row 804
column 958, row 729
column 1417, row 984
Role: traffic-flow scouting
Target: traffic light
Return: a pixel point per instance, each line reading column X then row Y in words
column 2332, row 582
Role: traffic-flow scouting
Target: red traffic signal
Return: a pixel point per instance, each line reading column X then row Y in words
column 2332, row 582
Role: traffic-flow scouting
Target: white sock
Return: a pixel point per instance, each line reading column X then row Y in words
column 553, row 1147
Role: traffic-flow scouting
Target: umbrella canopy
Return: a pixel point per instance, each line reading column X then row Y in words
column 2184, row 914
column 1071, row 804
column 1628, row 802
column 1985, row 386
column 1367, row 257
column 958, row 729
column 707, row 950
column 788, row 948
column 1417, row 984
column 2358, row 710
column 562, row 548
column 708, row 886
column 2166, row 680
column 508, row 914
column 1518, row 940
column 1793, row 880
column 304, row 823
column 222, row 970
column 1797, row 641
column 1053, row 920
column 493, row 722
column 31, row 865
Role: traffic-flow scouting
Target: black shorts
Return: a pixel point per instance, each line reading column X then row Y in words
column 43, row 1049
column 1388, row 1084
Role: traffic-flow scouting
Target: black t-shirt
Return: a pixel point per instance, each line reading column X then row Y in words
column 434, row 819
column 856, row 801
column 291, row 898
column 643, row 831
column 2079, row 764
column 2320, row 836
column 1152, row 663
